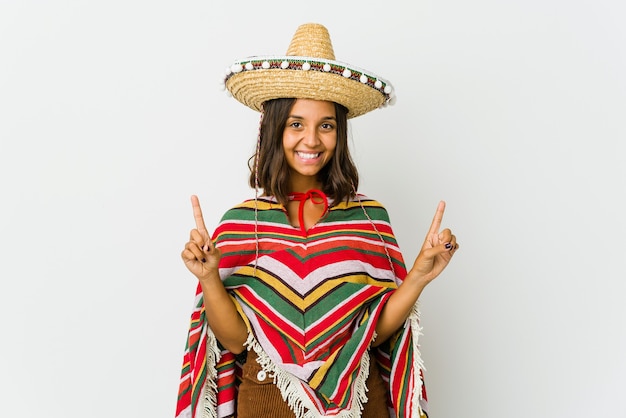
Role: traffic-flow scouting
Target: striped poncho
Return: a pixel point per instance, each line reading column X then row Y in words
column 311, row 302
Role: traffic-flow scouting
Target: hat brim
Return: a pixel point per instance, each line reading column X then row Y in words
column 257, row 85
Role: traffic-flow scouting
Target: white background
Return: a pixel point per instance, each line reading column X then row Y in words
column 513, row 112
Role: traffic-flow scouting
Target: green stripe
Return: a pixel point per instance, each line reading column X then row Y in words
column 198, row 392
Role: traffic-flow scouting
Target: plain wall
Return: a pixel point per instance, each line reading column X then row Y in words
column 111, row 116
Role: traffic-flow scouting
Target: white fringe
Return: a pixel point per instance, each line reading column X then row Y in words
column 418, row 363
column 292, row 392
column 291, row 387
column 209, row 392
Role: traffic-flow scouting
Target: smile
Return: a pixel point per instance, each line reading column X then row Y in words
column 307, row 155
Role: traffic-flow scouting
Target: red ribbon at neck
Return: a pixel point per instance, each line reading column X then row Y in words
column 317, row 197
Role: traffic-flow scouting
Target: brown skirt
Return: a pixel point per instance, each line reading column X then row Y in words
column 260, row 398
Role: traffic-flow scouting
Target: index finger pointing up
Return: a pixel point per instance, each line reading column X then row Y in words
column 197, row 214
column 434, row 227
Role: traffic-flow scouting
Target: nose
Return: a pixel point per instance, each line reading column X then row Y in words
column 311, row 138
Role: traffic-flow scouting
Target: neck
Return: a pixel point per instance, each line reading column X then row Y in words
column 304, row 184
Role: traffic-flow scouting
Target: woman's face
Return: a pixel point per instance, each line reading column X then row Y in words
column 309, row 139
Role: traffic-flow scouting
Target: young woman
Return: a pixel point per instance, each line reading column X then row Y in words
column 304, row 306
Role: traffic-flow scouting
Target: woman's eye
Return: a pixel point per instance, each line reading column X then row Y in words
column 327, row 126
column 295, row 124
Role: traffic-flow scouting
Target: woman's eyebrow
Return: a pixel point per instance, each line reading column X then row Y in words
column 302, row 117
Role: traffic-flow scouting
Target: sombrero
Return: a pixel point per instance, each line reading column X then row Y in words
column 307, row 71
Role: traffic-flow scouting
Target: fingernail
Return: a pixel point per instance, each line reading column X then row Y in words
column 204, row 260
column 448, row 246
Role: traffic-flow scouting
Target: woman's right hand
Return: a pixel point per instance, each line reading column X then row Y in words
column 202, row 258
column 200, row 255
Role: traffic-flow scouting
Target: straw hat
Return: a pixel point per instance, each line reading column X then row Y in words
column 307, row 71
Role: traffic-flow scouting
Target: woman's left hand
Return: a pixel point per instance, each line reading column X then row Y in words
column 436, row 253
column 437, row 250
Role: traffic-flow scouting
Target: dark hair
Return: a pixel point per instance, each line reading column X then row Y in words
column 339, row 177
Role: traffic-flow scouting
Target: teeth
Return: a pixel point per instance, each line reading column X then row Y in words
column 308, row 156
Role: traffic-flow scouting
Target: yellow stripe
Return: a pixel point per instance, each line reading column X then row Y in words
column 260, row 204
column 313, row 338
column 196, row 382
column 280, row 288
column 316, row 380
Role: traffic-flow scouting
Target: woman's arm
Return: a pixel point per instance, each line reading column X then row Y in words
column 436, row 253
column 202, row 258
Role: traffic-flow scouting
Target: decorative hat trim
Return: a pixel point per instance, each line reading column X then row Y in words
column 284, row 62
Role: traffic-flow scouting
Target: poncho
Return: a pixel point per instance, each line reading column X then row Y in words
column 311, row 300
